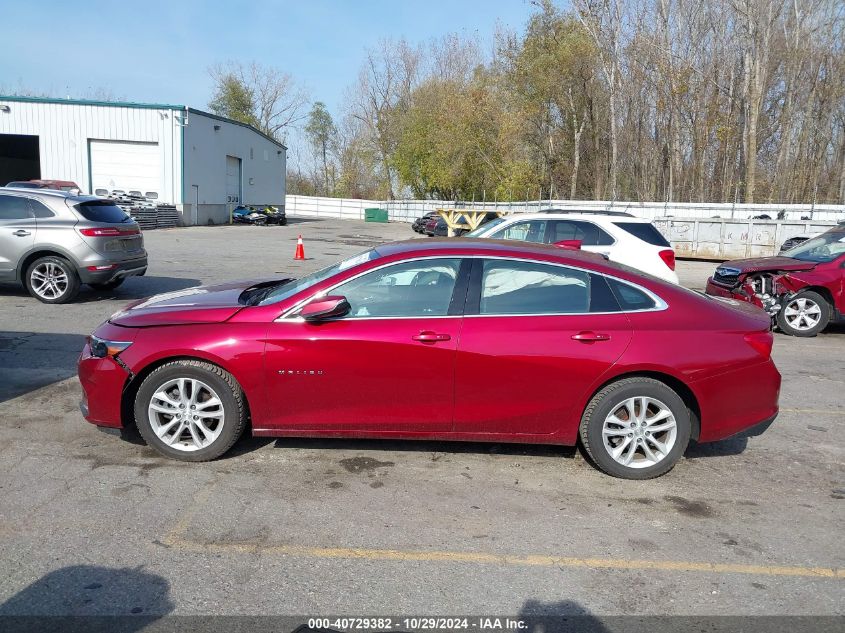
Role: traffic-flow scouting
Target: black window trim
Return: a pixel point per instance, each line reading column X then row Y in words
column 473, row 302
column 469, row 273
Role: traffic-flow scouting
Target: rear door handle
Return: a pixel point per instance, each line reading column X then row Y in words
column 21, row 233
column 427, row 336
column 588, row 336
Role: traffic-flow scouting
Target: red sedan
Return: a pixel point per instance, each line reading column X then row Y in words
column 521, row 342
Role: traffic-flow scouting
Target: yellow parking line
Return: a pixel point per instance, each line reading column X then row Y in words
column 176, row 539
column 173, row 540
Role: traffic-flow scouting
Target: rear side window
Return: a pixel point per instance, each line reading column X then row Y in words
column 644, row 231
column 515, row 287
column 40, row 210
column 630, row 298
column 587, row 232
column 14, row 208
column 102, row 211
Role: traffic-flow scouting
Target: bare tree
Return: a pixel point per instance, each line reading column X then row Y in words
column 277, row 101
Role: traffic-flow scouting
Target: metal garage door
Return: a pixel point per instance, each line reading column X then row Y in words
column 125, row 165
column 233, row 179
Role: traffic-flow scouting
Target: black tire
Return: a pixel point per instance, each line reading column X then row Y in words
column 109, row 285
column 70, row 286
column 226, row 388
column 810, row 298
column 608, row 400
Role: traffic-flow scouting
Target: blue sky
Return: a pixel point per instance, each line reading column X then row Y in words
column 159, row 52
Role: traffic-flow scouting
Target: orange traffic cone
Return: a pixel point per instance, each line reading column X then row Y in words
column 300, row 249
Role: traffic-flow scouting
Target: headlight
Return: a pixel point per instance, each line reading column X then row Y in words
column 100, row 348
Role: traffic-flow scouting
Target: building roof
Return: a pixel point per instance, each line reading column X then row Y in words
column 142, row 106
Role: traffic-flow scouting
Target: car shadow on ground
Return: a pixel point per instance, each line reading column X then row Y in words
column 31, row 360
column 134, row 288
column 292, row 221
column 82, row 592
column 419, row 446
column 557, row 617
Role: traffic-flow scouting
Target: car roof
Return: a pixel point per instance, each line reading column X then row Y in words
column 481, row 246
column 52, row 193
column 589, row 217
column 605, row 212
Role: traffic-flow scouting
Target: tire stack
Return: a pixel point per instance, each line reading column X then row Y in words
column 167, row 217
column 146, row 217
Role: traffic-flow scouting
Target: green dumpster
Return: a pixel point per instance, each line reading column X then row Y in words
column 375, row 215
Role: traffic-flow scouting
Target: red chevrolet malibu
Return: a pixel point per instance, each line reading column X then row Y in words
column 519, row 343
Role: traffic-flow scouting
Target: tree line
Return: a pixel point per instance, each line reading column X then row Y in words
column 645, row 100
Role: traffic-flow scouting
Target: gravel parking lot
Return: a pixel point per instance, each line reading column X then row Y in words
column 93, row 524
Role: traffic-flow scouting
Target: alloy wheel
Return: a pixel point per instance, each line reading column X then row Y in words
column 186, row 414
column 49, row 280
column 802, row 314
column 639, row 432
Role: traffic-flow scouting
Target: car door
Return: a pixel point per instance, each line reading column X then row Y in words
column 17, row 232
column 387, row 366
column 536, row 337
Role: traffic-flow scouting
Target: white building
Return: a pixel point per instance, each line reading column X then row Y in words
column 202, row 163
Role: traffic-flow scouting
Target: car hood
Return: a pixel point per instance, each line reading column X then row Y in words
column 202, row 304
column 767, row 263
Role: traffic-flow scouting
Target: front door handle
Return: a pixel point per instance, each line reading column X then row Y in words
column 588, row 336
column 21, row 233
column 426, row 336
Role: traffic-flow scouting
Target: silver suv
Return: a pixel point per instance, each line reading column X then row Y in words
column 53, row 241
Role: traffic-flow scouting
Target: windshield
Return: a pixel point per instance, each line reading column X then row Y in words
column 290, row 288
column 824, row 248
column 484, row 228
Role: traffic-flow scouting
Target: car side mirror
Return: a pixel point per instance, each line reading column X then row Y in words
column 324, row 308
column 572, row 245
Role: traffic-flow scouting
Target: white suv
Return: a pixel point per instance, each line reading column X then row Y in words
column 622, row 237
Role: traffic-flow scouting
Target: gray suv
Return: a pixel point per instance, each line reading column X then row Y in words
column 53, row 241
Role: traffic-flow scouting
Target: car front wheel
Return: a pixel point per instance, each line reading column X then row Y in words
column 805, row 314
column 52, row 280
column 636, row 428
column 192, row 411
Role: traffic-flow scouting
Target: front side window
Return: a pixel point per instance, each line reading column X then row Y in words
column 515, row 287
column 14, row 208
column 411, row 289
column 528, row 231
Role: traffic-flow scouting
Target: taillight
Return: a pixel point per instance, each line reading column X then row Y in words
column 668, row 257
column 761, row 342
column 108, row 232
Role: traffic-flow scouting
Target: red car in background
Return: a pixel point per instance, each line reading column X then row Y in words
column 802, row 290
column 522, row 343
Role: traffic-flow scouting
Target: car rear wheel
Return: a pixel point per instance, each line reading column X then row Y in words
column 52, row 280
column 636, row 428
column 190, row 410
column 805, row 314
column 108, row 285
